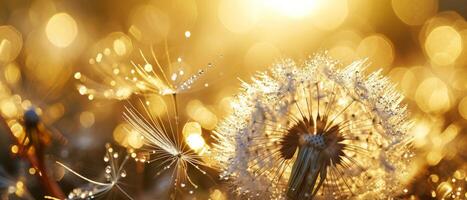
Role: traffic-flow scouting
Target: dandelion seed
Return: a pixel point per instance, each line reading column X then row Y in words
column 315, row 131
column 128, row 77
column 163, row 143
column 113, row 173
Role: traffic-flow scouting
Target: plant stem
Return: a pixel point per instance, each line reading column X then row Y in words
column 36, row 159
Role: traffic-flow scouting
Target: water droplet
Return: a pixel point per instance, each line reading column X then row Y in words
column 148, row 67
column 187, row 34
column 108, row 169
column 123, row 174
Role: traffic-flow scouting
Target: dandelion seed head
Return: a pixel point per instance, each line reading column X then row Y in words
column 315, row 129
column 121, row 74
column 163, row 144
column 114, row 171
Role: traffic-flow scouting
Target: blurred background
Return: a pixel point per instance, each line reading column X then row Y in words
column 47, row 46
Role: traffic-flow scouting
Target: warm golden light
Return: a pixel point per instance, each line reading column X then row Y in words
column 433, row 96
column 344, row 53
column 378, row 49
column 329, row 14
column 119, row 47
column 200, row 113
column 192, row 133
column 14, row 149
column 406, row 80
column 32, row 171
column 120, row 133
column 195, row 141
column 135, row 140
column 125, row 135
column 238, row 16
column 260, row 54
column 443, row 45
column 11, row 43
column 20, row 190
column 414, row 12
column 463, row 107
column 217, row 195
column 8, row 108
column 149, row 24
column 61, row 30
column 86, row 119
column 156, row 105
column 191, row 128
column 444, row 189
column 195, row 85
column 293, row 8
column 12, row 73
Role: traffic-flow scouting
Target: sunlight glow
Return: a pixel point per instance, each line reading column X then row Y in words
column 293, row 8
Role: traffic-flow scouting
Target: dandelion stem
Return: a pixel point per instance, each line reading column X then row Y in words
column 49, row 185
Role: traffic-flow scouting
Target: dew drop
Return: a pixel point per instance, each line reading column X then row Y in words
column 123, row 174
column 148, row 67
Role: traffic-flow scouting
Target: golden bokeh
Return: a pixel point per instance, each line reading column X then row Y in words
column 11, row 43
column 12, row 73
column 87, row 119
column 120, row 132
column 125, row 135
column 200, row 113
column 149, row 24
column 193, row 136
column 329, row 14
column 61, row 30
column 433, row 96
column 217, row 195
column 406, row 79
column 378, row 49
column 293, row 8
column 49, row 48
column 195, row 141
column 156, row 104
column 443, row 45
column 414, row 12
column 462, row 107
column 260, row 54
column 238, row 16
column 135, row 140
column 191, row 128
